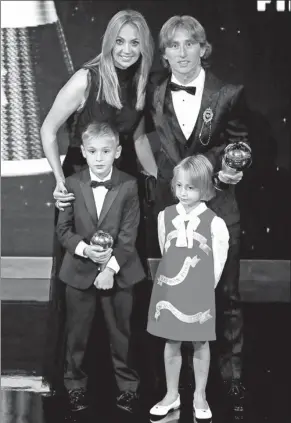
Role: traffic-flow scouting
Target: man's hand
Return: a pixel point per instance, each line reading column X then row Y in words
column 231, row 179
column 93, row 253
column 105, row 279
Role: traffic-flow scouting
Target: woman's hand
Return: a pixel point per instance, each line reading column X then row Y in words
column 144, row 172
column 62, row 197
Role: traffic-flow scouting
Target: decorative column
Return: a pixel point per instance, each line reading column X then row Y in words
column 21, row 151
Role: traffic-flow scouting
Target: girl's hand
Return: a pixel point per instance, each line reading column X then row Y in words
column 62, row 197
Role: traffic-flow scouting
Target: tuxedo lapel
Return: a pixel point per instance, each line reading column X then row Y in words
column 111, row 195
column 88, row 195
column 162, row 125
column 179, row 136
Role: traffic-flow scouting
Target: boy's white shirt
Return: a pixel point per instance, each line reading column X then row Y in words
column 219, row 235
column 99, row 194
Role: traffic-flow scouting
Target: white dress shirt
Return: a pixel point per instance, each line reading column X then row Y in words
column 99, row 194
column 186, row 105
column 219, row 235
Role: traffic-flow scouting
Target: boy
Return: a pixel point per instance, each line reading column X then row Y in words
column 105, row 199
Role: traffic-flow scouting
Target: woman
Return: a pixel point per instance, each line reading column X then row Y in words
column 111, row 87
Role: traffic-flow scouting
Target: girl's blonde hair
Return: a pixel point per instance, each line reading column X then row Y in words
column 109, row 88
column 195, row 29
column 200, row 172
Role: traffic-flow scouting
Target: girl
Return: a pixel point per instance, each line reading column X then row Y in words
column 194, row 245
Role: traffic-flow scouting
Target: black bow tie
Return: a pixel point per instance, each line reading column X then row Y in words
column 176, row 87
column 106, row 184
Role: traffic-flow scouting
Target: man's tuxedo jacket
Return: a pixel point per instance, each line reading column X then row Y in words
column 229, row 120
column 119, row 217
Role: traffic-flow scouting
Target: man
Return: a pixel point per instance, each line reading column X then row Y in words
column 194, row 112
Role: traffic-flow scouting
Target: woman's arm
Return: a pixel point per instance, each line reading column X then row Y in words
column 143, row 150
column 69, row 98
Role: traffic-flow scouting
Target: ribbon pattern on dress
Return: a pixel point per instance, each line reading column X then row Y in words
column 181, row 276
column 200, row 317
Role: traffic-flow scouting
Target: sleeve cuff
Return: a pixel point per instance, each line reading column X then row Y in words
column 161, row 230
column 112, row 263
column 79, row 251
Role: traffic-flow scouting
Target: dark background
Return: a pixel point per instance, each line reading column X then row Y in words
column 249, row 47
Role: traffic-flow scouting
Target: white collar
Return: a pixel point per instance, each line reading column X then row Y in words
column 185, row 235
column 197, row 82
column 195, row 212
column 95, row 178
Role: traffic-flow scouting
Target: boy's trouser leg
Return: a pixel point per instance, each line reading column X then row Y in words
column 117, row 308
column 80, row 310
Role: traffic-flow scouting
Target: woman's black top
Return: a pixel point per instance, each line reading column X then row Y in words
column 124, row 120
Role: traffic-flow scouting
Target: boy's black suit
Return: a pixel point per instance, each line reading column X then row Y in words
column 119, row 217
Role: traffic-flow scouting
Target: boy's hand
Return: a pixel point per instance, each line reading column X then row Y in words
column 105, row 279
column 93, row 253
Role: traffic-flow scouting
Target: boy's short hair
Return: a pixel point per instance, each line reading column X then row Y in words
column 200, row 172
column 99, row 129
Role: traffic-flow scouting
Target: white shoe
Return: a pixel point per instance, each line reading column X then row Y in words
column 202, row 413
column 172, row 417
column 163, row 410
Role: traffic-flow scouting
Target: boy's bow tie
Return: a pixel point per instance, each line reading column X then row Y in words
column 106, row 184
column 177, row 87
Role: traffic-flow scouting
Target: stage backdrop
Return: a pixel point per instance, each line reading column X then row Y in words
column 43, row 45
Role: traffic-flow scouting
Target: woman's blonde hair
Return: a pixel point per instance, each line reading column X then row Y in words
column 200, row 172
column 195, row 29
column 109, row 88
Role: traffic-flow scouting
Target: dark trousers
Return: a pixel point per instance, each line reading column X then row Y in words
column 116, row 306
column 229, row 319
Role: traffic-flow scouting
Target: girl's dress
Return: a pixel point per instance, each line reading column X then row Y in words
column 125, row 121
column 194, row 247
